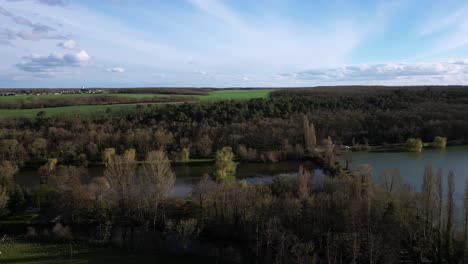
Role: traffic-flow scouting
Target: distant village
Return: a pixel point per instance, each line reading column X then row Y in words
column 26, row 92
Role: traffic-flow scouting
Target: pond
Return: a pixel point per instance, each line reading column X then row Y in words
column 190, row 174
column 411, row 165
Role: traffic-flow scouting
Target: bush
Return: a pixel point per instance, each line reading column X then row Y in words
column 414, row 145
column 439, row 142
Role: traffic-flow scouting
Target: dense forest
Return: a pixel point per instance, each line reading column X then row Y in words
column 265, row 130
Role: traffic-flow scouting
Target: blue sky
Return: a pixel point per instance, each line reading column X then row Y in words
column 230, row 43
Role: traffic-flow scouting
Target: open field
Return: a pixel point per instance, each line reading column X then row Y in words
column 35, row 253
column 69, row 110
column 214, row 95
column 54, row 96
column 99, row 109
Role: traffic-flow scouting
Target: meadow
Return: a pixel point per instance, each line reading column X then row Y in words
column 45, row 253
column 240, row 94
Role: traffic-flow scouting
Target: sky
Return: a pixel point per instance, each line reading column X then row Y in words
column 232, row 43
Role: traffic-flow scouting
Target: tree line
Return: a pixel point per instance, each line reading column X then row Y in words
column 101, row 99
column 264, row 130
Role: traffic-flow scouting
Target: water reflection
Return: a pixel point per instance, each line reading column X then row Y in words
column 188, row 175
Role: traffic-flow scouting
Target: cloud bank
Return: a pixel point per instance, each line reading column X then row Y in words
column 390, row 73
column 68, row 44
column 54, row 62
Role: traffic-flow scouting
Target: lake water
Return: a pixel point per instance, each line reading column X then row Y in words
column 190, row 174
column 410, row 165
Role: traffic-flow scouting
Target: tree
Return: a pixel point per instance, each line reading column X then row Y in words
column 204, row 145
column 450, row 212
column 439, row 202
column 158, row 179
column 310, row 140
column 183, row 155
column 7, row 170
column 465, row 224
column 303, row 178
column 428, row 192
column 3, row 197
column 17, row 201
column 48, row 170
column 130, row 154
column 225, row 167
column 120, row 174
column 414, row 145
column 107, row 155
column 163, row 138
column 39, row 148
column 439, row 142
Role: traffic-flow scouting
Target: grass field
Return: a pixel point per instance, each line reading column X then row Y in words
column 34, row 253
column 68, row 110
column 100, row 109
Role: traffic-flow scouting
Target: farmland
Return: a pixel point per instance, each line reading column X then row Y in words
column 100, row 109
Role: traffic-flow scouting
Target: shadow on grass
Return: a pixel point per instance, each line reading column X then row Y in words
column 28, row 253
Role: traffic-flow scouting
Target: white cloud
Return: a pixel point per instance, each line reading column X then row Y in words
column 34, row 31
column 48, row 2
column 68, row 44
column 389, row 73
column 52, row 63
column 116, row 70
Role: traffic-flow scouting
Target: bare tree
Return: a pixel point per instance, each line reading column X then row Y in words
column 465, row 224
column 310, row 140
column 450, row 212
column 303, row 183
column 428, row 199
column 3, row 197
column 439, row 202
column 158, row 179
column 7, row 170
column 120, row 173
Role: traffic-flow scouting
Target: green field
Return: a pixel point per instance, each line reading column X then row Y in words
column 100, row 109
column 35, row 253
column 68, row 110
column 236, row 94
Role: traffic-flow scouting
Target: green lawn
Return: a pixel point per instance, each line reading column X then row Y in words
column 100, row 109
column 34, row 253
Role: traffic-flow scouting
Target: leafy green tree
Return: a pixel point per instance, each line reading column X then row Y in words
column 225, row 167
column 414, row 145
column 439, row 142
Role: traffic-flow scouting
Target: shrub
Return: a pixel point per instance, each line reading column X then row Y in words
column 439, row 142
column 414, row 145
